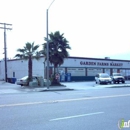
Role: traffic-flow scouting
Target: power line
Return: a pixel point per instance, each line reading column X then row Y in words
column 5, row 48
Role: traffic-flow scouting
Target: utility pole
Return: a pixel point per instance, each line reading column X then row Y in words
column 47, row 44
column 5, row 48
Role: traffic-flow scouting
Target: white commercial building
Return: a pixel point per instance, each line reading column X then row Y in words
column 81, row 68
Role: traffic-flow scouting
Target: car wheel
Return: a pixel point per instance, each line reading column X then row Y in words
column 123, row 82
column 114, row 82
column 99, row 82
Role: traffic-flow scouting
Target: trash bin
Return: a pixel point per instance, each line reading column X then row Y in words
column 62, row 77
column 41, row 81
column 13, row 80
column 68, row 77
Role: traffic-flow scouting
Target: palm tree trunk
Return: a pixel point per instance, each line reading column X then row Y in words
column 54, row 70
column 57, row 70
column 55, row 80
column 30, row 68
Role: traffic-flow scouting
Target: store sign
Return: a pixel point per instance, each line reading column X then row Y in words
column 100, row 63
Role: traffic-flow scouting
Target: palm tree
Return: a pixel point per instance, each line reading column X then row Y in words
column 28, row 52
column 58, row 46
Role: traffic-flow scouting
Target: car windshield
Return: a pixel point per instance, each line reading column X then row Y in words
column 104, row 76
column 24, row 77
column 117, row 74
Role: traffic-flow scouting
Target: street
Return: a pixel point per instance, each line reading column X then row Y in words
column 86, row 109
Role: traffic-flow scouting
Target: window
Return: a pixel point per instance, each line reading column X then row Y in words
column 13, row 74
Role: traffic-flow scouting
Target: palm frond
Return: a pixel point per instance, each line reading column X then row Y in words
column 25, row 57
column 20, row 56
column 58, row 46
column 37, row 55
column 21, row 50
column 28, row 46
column 35, row 48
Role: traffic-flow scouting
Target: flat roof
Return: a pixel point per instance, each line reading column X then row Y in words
column 97, row 59
column 85, row 58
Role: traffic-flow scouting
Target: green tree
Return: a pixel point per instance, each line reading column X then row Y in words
column 28, row 52
column 58, row 46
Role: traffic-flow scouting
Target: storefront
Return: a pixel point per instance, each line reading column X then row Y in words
column 81, row 69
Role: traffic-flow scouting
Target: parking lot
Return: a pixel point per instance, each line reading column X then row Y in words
column 93, row 85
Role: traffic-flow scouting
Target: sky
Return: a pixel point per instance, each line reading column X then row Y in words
column 94, row 28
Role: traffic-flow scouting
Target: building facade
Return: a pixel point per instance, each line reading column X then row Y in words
column 81, row 69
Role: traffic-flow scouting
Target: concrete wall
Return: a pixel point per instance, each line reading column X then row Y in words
column 19, row 68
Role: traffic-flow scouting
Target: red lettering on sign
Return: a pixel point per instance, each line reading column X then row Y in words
column 100, row 63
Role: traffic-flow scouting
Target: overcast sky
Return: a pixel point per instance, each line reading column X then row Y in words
column 94, row 28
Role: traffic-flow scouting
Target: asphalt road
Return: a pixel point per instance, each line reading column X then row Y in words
column 80, row 109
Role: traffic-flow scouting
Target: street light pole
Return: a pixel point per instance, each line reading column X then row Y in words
column 47, row 49
column 47, row 45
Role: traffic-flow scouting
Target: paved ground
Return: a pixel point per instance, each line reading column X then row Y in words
column 89, row 106
column 13, row 88
column 93, row 85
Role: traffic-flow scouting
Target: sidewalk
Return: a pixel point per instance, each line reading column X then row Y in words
column 68, row 86
column 6, row 87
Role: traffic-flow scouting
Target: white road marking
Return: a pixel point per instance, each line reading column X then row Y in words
column 65, row 100
column 91, row 98
column 76, row 116
column 77, row 93
column 21, row 104
column 9, row 91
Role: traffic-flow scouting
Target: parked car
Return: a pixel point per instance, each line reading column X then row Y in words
column 24, row 81
column 103, row 78
column 117, row 78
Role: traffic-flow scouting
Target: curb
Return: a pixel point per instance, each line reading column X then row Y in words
column 46, row 90
column 121, row 86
